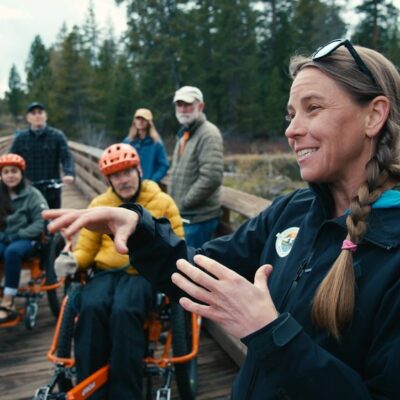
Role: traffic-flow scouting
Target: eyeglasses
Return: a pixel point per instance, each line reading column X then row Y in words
column 329, row 48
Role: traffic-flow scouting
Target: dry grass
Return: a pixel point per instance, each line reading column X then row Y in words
column 264, row 175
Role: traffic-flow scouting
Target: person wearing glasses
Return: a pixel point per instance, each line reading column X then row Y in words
column 311, row 285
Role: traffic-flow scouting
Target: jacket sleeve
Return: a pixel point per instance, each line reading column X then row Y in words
column 211, row 169
column 172, row 213
column 67, row 160
column 154, row 249
column 162, row 163
column 15, row 145
column 299, row 365
column 37, row 204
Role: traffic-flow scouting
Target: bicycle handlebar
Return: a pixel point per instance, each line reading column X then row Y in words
column 48, row 183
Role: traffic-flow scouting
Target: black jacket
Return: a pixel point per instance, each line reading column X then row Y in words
column 291, row 358
column 43, row 153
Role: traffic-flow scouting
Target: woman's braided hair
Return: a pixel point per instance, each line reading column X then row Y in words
column 333, row 304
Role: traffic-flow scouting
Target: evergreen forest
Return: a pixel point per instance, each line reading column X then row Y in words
column 236, row 51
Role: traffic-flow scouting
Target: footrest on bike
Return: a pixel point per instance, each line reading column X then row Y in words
column 163, row 394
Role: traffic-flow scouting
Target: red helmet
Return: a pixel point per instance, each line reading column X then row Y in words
column 12, row 159
column 118, row 157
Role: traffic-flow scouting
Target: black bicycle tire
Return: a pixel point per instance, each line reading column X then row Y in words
column 185, row 373
column 65, row 338
column 56, row 245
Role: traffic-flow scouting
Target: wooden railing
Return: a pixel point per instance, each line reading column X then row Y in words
column 91, row 183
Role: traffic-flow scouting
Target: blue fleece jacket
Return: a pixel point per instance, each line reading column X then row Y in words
column 153, row 157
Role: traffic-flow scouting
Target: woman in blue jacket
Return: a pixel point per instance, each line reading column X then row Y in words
column 144, row 137
column 323, row 322
column 21, row 224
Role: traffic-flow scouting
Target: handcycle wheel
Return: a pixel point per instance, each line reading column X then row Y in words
column 65, row 338
column 185, row 373
column 55, row 247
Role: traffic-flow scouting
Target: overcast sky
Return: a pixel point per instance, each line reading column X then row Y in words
column 22, row 20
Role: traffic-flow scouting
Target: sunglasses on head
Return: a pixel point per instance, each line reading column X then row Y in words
column 329, row 48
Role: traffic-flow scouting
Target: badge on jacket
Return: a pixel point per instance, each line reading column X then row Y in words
column 285, row 240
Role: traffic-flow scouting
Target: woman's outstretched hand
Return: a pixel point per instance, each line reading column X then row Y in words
column 120, row 222
column 229, row 299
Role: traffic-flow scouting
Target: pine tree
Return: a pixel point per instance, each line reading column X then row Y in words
column 71, row 107
column 103, row 84
column 380, row 21
column 275, row 105
column 91, row 35
column 15, row 96
column 38, row 72
column 123, row 99
column 316, row 23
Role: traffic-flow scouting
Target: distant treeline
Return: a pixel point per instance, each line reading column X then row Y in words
column 236, row 51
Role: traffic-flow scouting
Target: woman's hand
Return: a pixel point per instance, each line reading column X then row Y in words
column 120, row 222
column 238, row 305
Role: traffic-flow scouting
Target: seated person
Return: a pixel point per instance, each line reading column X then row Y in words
column 21, row 224
column 116, row 301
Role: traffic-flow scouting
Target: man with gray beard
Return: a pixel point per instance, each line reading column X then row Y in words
column 197, row 167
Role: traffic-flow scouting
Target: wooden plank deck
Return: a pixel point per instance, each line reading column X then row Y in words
column 24, row 366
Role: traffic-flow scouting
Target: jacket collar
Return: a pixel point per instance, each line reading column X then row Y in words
column 192, row 128
column 145, row 140
column 38, row 132
column 381, row 229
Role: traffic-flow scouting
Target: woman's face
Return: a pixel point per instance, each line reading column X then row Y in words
column 141, row 123
column 11, row 176
column 327, row 130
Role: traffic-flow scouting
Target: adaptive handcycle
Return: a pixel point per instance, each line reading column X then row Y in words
column 173, row 337
column 43, row 280
column 40, row 264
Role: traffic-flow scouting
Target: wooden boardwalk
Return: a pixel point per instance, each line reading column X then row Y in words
column 24, row 366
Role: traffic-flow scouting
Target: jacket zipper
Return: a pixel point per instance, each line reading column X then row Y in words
column 294, row 284
column 252, row 383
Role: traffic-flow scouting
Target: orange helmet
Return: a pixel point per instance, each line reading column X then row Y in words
column 118, row 157
column 12, row 159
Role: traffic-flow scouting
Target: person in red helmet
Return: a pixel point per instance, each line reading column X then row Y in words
column 114, row 304
column 21, row 224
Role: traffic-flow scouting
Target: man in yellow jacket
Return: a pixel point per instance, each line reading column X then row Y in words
column 116, row 301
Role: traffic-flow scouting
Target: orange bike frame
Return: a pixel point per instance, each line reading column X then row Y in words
column 86, row 388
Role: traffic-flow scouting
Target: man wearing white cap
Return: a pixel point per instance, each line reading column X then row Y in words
column 197, row 167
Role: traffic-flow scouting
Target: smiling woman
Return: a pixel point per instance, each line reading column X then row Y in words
column 310, row 285
column 20, row 226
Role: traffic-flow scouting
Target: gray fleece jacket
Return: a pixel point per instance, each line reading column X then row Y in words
column 197, row 173
column 26, row 219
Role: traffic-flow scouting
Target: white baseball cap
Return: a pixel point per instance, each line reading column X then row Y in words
column 188, row 94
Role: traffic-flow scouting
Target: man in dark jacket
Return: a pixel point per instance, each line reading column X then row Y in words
column 197, row 167
column 44, row 148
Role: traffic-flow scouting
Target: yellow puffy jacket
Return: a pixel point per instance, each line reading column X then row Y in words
column 97, row 249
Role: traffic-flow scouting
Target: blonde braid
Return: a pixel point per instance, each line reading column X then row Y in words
column 333, row 304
